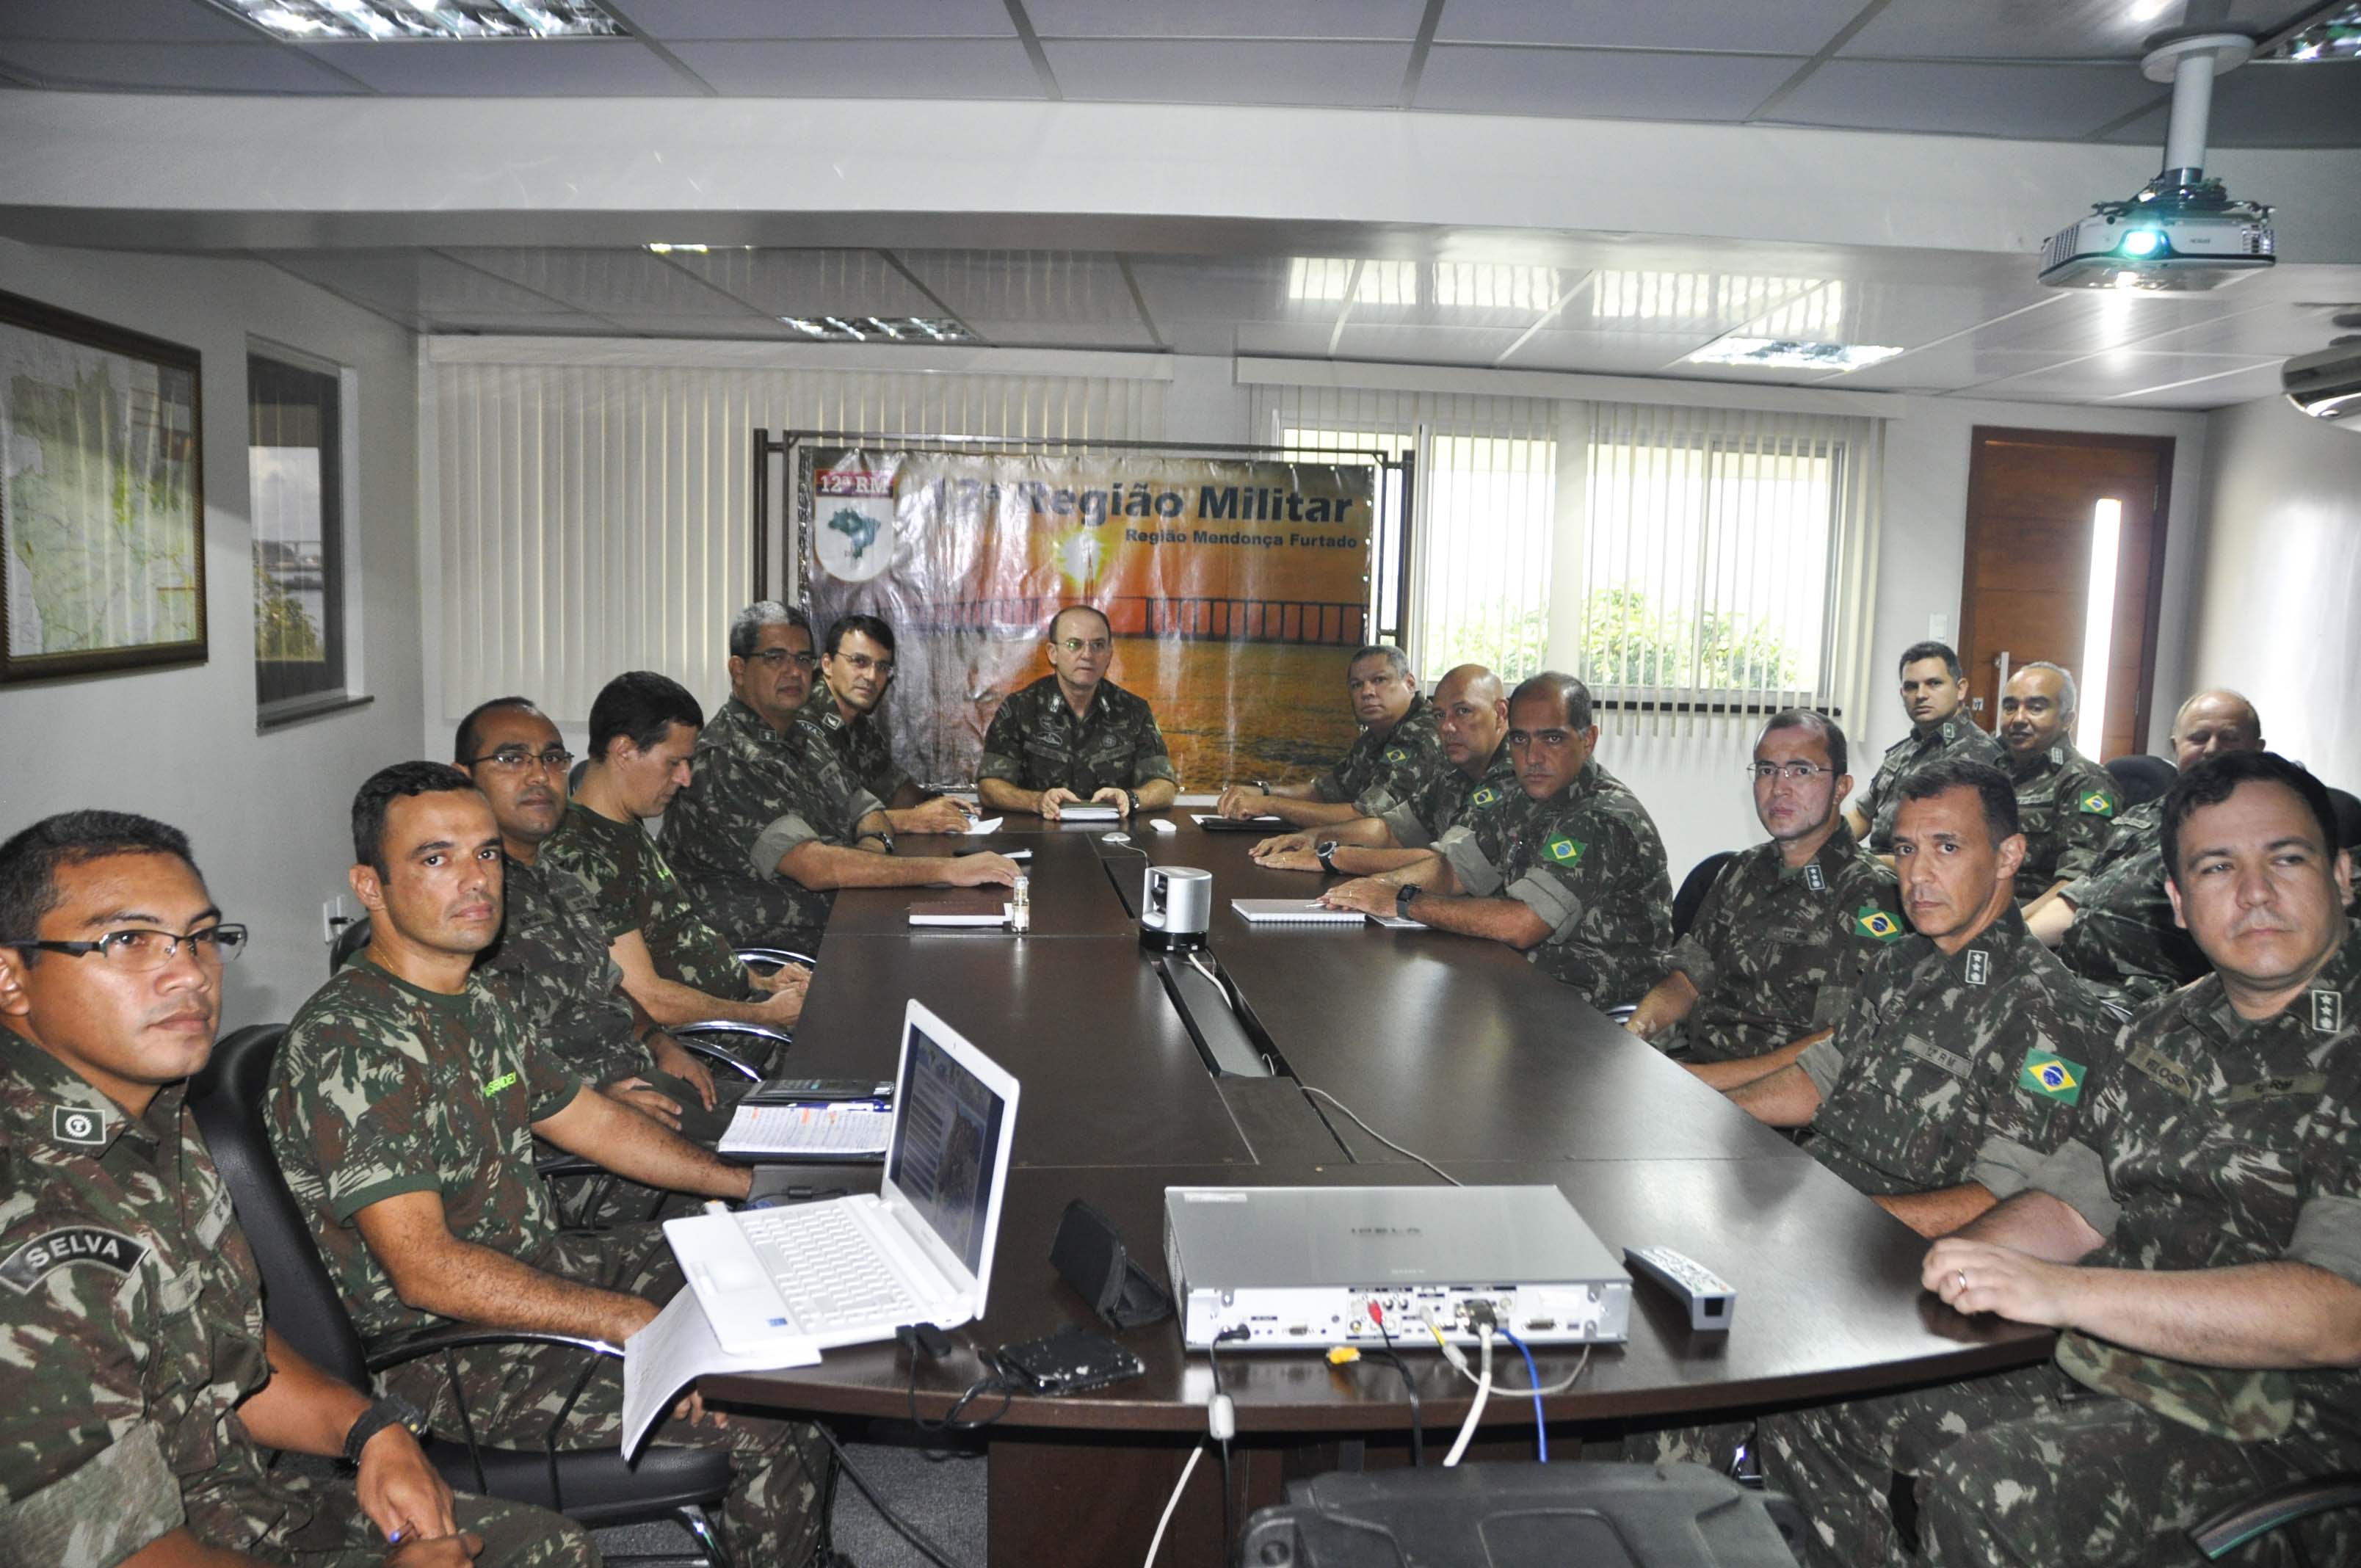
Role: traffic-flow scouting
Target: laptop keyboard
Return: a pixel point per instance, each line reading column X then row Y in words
column 826, row 1268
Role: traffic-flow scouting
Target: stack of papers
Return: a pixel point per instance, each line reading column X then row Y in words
column 838, row 1129
column 675, row 1350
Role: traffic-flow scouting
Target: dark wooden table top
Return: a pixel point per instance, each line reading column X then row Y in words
column 1454, row 1047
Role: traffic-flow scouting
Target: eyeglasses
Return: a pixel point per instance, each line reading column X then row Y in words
column 1095, row 645
column 558, row 759
column 1794, row 773
column 864, row 664
column 774, row 657
column 134, row 950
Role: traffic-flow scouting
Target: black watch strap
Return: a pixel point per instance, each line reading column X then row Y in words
column 1327, row 849
column 381, row 1414
column 1404, row 896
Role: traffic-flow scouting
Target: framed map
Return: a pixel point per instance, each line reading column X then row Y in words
column 102, row 497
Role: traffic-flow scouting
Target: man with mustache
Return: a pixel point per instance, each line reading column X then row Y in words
column 1074, row 735
column 138, row 1383
column 2066, row 804
column 767, row 833
column 2198, row 1241
column 1389, row 764
column 842, row 725
column 1568, row 869
column 403, row 1110
column 1935, row 697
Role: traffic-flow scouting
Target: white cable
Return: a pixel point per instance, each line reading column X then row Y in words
column 1451, row 1354
column 1172, row 1502
column 1197, row 961
column 1476, row 1411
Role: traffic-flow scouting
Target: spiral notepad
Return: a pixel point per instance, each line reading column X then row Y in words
column 1293, row 912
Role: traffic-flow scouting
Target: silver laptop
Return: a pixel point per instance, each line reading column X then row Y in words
column 849, row 1270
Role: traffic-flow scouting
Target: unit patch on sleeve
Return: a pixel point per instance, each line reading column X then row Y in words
column 67, row 1245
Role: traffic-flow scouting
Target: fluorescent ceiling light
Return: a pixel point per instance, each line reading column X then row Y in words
column 387, row 20
column 1775, row 355
column 890, row 329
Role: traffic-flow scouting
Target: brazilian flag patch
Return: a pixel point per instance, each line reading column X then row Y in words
column 1565, row 852
column 1872, row 921
column 1396, row 754
column 2096, row 803
column 2052, row 1077
column 1485, row 797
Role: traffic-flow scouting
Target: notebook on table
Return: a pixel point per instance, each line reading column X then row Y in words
column 1088, row 811
column 850, row 1270
column 849, row 1130
column 1214, row 824
column 1293, row 912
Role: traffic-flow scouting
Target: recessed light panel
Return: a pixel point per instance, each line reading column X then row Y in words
column 1774, row 355
column 880, row 329
column 312, row 21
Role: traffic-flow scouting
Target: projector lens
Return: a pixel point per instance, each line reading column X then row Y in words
column 2141, row 242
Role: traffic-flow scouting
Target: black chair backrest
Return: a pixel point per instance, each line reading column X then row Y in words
column 2348, row 817
column 348, row 944
column 1694, row 887
column 227, row 1098
column 2143, row 777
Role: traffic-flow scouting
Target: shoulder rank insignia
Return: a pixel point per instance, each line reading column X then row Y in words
column 1565, row 851
column 44, row 1254
column 2096, row 803
column 2052, row 1077
column 1872, row 921
column 1979, row 966
column 78, row 1125
column 2057, row 756
column 1815, row 878
column 1947, row 735
column 2327, row 1012
column 1484, row 796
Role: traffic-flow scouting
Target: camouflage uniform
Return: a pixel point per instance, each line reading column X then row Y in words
column 750, row 802
column 859, row 744
column 1448, row 797
column 1957, row 736
column 636, row 891
column 1588, row 862
column 382, row 1088
column 2215, row 1143
column 1377, row 773
column 2066, row 806
column 1036, row 742
column 130, row 1330
column 1950, row 1068
column 2124, row 939
column 1776, row 952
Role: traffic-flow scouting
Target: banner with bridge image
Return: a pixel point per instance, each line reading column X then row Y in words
column 1236, row 590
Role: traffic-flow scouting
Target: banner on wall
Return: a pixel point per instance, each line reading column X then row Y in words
column 1236, row 590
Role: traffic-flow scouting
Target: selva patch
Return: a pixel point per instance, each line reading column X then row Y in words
column 65, row 1246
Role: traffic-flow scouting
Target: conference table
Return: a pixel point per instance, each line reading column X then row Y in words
column 1453, row 1047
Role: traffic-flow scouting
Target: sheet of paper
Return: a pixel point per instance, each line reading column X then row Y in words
column 984, row 824
column 1197, row 799
column 674, row 1351
column 835, row 1127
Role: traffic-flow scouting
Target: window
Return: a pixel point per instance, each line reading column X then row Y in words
column 295, row 471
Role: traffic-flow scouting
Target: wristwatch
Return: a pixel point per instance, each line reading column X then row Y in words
column 1327, row 849
column 391, row 1411
column 1403, row 895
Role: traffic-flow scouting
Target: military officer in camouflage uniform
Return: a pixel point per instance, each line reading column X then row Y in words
column 1471, row 726
column 1964, row 1057
column 1940, row 726
column 1783, row 936
column 2066, row 804
column 1569, row 869
column 1073, row 735
column 137, row 1380
column 1388, row 766
column 403, row 1109
column 764, row 832
column 676, row 967
column 2199, row 1242
column 842, row 722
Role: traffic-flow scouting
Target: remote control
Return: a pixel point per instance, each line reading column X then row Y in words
column 1710, row 1299
column 1166, row 829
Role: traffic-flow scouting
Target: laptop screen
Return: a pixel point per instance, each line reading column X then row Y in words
column 947, row 1145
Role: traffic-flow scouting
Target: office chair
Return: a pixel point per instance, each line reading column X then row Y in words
column 1694, row 887
column 2348, row 817
column 2142, row 778
column 2231, row 1529
column 592, row 1486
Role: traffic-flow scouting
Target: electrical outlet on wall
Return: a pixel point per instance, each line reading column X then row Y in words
column 1938, row 627
column 333, row 920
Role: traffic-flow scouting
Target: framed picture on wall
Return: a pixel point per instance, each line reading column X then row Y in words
column 102, row 497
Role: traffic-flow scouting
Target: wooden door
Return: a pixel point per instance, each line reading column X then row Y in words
column 2032, row 498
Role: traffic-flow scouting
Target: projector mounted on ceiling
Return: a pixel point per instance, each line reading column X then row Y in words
column 2182, row 232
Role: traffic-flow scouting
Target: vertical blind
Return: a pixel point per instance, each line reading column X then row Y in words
column 596, row 518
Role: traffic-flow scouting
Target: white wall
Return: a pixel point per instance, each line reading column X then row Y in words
column 267, row 812
column 2280, row 614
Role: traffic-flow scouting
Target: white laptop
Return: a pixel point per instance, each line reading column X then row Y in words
column 850, row 1270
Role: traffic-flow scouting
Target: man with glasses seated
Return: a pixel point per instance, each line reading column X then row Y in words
column 139, row 1384
column 1788, row 927
column 842, row 722
column 1073, row 735
column 764, row 831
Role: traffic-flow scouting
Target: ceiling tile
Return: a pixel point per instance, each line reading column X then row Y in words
column 125, row 21
column 748, row 326
column 2034, row 30
column 565, row 323
column 509, row 68
column 416, row 284
column 1945, row 367
column 172, row 67
column 2084, row 321
column 2315, row 104
column 2017, row 101
column 1042, row 288
column 898, row 67
column 607, row 283
column 2215, row 392
column 1204, row 72
column 2275, row 329
column 1604, row 353
column 810, row 283
column 667, row 20
column 1609, row 84
column 1789, row 26
column 1062, row 335
column 2119, row 373
column 1291, row 340
column 1425, row 344
column 1330, row 20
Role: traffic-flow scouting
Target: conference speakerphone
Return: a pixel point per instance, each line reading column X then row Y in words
column 1300, row 1267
